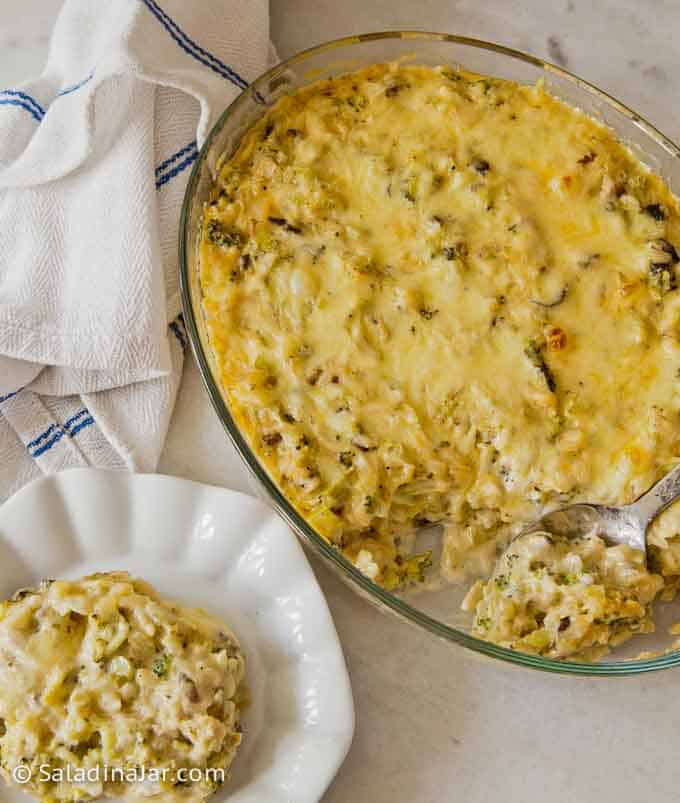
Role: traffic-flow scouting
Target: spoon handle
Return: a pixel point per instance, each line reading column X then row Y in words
column 657, row 498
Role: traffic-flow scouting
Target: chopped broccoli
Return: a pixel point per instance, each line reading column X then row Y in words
column 161, row 666
column 217, row 234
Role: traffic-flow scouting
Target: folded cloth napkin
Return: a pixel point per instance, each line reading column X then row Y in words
column 93, row 165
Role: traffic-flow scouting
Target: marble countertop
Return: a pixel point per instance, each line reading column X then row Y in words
column 435, row 724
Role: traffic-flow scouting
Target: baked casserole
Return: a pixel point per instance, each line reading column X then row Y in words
column 436, row 296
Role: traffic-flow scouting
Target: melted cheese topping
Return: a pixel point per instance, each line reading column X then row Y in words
column 437, row 296
column 101, row 675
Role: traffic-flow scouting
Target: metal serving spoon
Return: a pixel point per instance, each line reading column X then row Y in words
column 627, row 524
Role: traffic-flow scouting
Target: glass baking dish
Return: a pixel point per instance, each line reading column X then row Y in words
column 436, row 611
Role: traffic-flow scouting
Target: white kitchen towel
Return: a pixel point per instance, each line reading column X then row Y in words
column 93, row 165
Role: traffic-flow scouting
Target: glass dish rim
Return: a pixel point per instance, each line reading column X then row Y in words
column 385, row 600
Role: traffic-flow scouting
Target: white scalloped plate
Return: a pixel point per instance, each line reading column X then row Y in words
column 228, row 553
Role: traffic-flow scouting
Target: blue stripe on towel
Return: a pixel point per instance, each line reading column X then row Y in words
column 178, row 332
column 42, row 436
column 192, row 146
column 69, row 422
column 84, row 423
column 14, row 97
column 76, row 86
column 32, row 102
column 22, row 104
column 175, row 170
column 194, row 49
column 55, row 433
column 10, row 395
column 58, row 435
